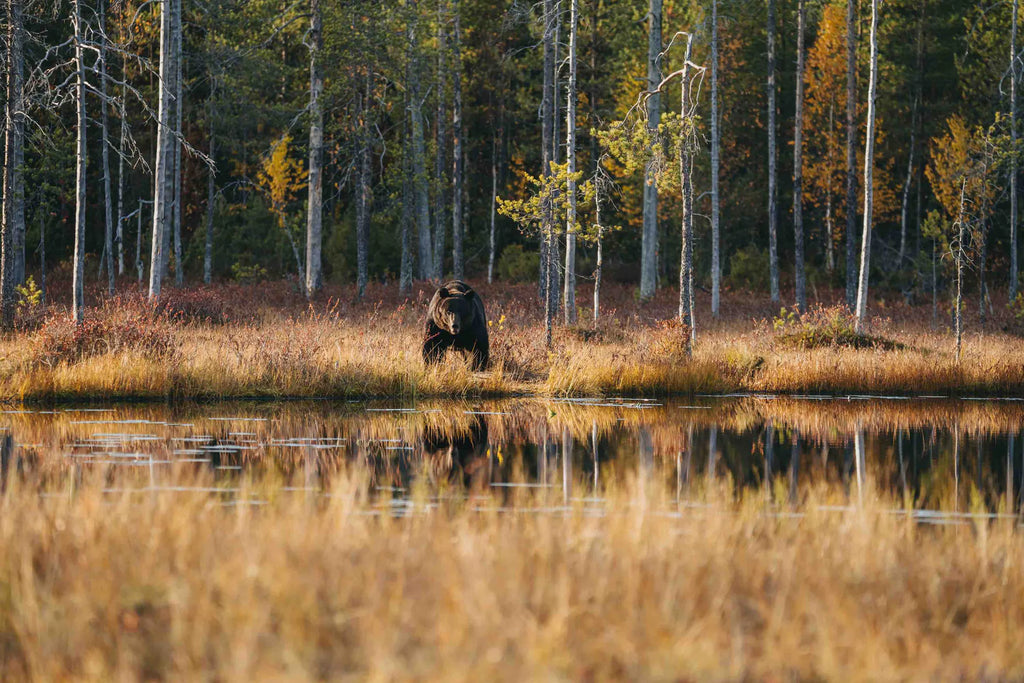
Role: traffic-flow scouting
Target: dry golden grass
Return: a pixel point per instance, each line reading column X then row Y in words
column 372, row 349
column 181, row 586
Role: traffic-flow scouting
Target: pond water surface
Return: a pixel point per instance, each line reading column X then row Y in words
column 945, row 459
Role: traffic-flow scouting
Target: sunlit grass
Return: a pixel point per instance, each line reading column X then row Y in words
column 636, row 585
column 289, row 351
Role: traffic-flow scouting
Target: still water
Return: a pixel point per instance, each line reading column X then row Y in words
column 944, row 459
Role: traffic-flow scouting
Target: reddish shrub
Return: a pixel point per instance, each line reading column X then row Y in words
column 61, row 340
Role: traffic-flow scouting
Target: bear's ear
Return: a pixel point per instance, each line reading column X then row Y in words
column 470, row 294
column 443, row 292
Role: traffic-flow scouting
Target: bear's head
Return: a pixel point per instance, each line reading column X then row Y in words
column 456, row 310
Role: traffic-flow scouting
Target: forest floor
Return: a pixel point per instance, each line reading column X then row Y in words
column 265, row 341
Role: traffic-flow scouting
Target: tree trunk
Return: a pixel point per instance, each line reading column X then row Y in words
column 314, row 212
column 421, row 189
column 716, row 144
column 163, row 182
column 108, row 199
column 121, row 150
column 773, row 190
column 685, row 187
column 649, row 239
column 851, row 153
column 1013, row 157
column 211, row 189
column 799, row 275
column 569, row 294
column 959, row 255
column 138, row 244
column 179, row 271
column 494, row 205
column 364, row 197
column 547, row 136
column 905, row 201
column 457, row 257
column 869, row 160
column 13, row 182
column 78, row 288
column 441, row 140
column 42, row 259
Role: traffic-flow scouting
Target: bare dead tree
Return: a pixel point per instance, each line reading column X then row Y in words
column 799, row 275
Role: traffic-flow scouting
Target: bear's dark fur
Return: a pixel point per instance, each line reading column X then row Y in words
column 456, row 320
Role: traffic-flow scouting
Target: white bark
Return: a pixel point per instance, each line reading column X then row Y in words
column 78, row 289
column 108, row 200
column 686, row 189
column 851, row 153
column 179, row 271
column 314, row 213
column 163, row 182
column 869, row 160
column 569, row 291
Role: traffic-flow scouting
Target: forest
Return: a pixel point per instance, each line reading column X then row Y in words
column 387, row 142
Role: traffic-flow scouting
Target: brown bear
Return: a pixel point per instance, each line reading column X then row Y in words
column 456, row 320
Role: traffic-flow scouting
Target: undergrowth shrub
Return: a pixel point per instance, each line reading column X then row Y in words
column 823, row 327
column 60, row 340
column 199, row 305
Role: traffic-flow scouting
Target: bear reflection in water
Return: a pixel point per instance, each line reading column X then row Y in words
column 461, row 452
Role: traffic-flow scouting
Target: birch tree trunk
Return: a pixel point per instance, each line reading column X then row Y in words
column 649, row 239
column 869, row 159
column 78, row 289
column 457, row 160
column 421, row 189
column 1013, row 157
column 547, row 137
column 716, row 142
column 851, row 153
column 13, row 182
column 179, row 271
column 958, row 305
column 314, row 212
column 773, row 190
column 569, row 293
column 108, row 200
column 121, row 150
column 799, row 276
column 162, row 182
column 441, row 142
column 685, row 186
